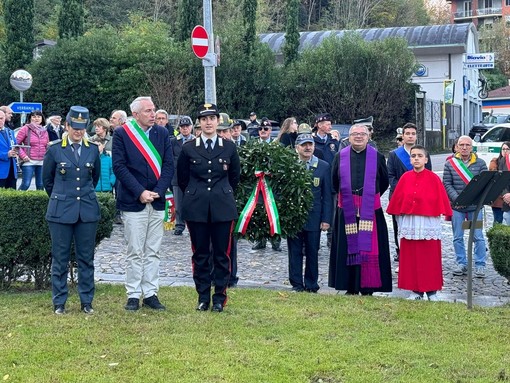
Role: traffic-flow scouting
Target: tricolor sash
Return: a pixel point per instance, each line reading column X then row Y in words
column 461, row 169
column 404, row 157
column 144, row 145
column 269, row 203
column 169, row 220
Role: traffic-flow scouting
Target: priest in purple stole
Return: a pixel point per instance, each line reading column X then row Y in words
column 360, row 255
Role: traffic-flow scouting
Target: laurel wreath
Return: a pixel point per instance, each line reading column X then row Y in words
column 291, row 184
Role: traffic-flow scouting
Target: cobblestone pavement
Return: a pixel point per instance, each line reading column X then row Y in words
column 268, row 269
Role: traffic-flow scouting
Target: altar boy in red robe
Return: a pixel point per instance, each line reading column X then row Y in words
column 418, row 202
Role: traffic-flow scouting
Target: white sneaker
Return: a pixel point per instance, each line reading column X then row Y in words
column 414, row 297
column 396, row 269
column 433, row 297
column 479, row 272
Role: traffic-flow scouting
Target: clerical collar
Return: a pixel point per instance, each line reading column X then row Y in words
column 358, row 151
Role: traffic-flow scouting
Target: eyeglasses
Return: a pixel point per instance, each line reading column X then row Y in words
column 264, row 128
column 505, row 149
column 356, row 134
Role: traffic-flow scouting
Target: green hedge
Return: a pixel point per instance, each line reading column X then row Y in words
column 25, row 242
column 499, row 240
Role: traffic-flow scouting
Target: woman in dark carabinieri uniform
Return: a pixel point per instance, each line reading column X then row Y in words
column 208, row 171
column 360, row 254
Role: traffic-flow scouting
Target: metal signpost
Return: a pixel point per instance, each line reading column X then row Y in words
column 208, row 56
column 21, row 81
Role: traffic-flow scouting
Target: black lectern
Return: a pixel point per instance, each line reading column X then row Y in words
column 483, row 189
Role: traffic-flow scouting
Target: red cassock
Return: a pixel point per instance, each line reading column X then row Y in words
column 420, row 195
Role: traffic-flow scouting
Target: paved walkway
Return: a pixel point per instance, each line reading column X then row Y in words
column 268, row 269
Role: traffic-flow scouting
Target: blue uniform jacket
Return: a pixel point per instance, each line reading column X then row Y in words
column 6, row 140
column 208, row 181
column 134, row 175
column 322, row 208
column 70, row 184
column 328, row 148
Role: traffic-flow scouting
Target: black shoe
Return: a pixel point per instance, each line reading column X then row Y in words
column 217, row 307
column 232, row 285
column 297, row 289
column 117, row 220
column 203, row 306
column 87, row 308
column 259, row 246
column 59, row 309
column 313, row 291
column 154, row 303
column 276, row 247
column 132, row 304
column 178, row 232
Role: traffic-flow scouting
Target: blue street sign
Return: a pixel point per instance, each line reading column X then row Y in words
column 25, row 107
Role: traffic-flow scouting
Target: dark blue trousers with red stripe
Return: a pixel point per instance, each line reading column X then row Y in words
column 211, row 239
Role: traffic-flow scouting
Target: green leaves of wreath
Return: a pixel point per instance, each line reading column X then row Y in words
column 291, row 184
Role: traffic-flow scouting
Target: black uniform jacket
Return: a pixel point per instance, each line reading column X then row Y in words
column 208, row 181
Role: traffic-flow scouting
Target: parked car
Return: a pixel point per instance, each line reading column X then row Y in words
column 488, row 122
column 489, row 145
column 275, row 128
column 343, row 129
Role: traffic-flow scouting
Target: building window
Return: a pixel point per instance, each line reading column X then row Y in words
column 467, row 7
column 487, row 3
column 507, row 2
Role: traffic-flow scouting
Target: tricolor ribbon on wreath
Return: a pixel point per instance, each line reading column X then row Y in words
column 169, row 221
column 269, row 203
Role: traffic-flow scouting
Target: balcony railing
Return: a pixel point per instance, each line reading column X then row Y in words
column 490, row 12
column 463, row 14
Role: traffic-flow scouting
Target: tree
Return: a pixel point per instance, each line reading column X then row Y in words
column 190, row 12
column 249, row 20
column 359, row 78
column 496, row 38
column 439, row 11
column 71, row 19
column 290, row 49
column 19, row 44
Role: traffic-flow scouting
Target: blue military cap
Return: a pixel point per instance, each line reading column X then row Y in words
column 78, row 117
column 185, row 120
column 304, row 138
column 323, row 117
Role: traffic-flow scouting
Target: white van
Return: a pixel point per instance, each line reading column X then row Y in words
column 489, row 146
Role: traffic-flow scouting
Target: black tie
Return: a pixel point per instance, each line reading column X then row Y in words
column 209, row 145
column 76, row 152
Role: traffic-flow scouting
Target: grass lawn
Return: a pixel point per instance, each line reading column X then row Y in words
column 262, row 336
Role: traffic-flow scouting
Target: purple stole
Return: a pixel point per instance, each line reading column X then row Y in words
column 362, row 244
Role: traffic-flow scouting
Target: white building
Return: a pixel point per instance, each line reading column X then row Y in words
column 439, row 52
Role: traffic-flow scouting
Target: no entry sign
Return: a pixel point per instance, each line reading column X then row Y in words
column 200, row 41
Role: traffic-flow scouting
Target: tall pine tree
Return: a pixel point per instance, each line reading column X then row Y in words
column 71, row 19
column 19, row 27
column 249, row 20
column 290, row 49
column 190, row 12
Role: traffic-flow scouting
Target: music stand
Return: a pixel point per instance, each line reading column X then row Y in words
column 483, row 189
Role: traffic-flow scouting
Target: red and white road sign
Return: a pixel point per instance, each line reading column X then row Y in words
column 200, row 41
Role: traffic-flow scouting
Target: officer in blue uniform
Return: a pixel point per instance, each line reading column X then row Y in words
column 319, row 218
column 208, row 171
column 71, row 170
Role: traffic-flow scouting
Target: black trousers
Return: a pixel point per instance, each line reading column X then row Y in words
column 211, row 239
column 310, row 241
